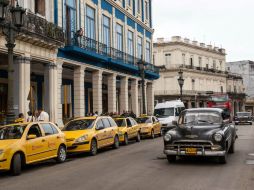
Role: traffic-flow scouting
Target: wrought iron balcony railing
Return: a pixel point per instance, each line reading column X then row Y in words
column 110, row 52
column 38, row 27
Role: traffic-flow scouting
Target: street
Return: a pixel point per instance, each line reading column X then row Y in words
column 141, row 166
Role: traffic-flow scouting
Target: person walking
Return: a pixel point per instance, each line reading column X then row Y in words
column 43, row 116
column 30, row 117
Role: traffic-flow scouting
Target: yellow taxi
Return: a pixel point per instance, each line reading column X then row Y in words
column 128, row 129
column 149, row 126
column 26, row 143
column 89, row 134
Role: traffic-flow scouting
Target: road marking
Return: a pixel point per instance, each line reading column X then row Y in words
column 250, row 162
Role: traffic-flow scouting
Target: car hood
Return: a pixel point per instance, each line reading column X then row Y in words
column 198, row 132
column 76, row 134
column 166, row 120
column 7, row 143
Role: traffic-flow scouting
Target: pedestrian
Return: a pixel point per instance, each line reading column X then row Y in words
column 20, row 119
column 43, row 116
column 95, row 114
column 30, row 117
column 77, row 37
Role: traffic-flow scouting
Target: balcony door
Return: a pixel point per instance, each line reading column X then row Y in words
column 70, row 19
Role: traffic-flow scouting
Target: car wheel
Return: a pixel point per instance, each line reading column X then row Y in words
column 126, row 139
column 251, row 123
column 138, row 139
column 93, row 147
column 16, row 165
column 171, row 158
column 116, row 142
column 152, row 134
column 61, row 154
column 236, row 123
column 232, row 148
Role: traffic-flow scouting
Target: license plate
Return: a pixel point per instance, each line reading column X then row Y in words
column 191, row 151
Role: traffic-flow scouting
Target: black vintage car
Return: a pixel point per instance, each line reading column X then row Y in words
column 243, row 117
column 201, row 132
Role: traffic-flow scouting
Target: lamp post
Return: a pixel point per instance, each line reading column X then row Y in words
column 10, row 28
column 181, row 83
column 141, row 65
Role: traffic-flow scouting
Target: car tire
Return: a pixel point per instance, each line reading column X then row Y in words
column 126, row 139
column 251, row 123
column 138, row 139
column 116, row 142
column 232, row 148
column 152, row 134
column 61, row 154
column 171, row 158
column 236, row 123
column 16, row 164
column 93, row 147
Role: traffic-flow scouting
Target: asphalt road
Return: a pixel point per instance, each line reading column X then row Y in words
column 141, row 166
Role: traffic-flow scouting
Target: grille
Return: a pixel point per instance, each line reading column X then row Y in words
column 193, row 143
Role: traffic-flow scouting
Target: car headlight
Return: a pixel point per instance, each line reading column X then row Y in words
column 1, row 151
column 217, row 137
column 81, row 139
column 167, row 137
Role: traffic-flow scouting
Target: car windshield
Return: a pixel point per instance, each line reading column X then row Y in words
column 200, row 117
column 12, row 132
column 144, row 120
column 243, row 114
column 164, row 112
column 120, row 122
column 76, row 125
column 219, row 98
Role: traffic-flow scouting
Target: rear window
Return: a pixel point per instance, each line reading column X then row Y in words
column 144, row 120
column 76, row 125
column 120, row 122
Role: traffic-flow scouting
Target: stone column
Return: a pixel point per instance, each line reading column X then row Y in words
column 112, row 93
column 150, row 98
column 124, row 94
column 97, row 91
column 50, row 90
column 59, row 106
column 79, row 91
column 189, row 105
column 141, row 98
column 134, row 96
column 21, row 84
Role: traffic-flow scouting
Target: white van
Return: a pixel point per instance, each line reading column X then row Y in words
column 167, row 112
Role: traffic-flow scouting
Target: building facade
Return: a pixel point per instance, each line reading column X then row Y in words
column 203, row 68
column 95, row 69
column 246, row 70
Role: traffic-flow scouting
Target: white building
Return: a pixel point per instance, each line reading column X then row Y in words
column 76, row 75
column 203, row 69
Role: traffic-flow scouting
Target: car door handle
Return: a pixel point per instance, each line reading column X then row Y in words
column 58, row 137
column 43, row 140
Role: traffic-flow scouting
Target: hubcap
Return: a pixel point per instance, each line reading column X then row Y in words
column 62, row 154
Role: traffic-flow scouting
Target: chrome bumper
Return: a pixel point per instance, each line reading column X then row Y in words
column 199, row 153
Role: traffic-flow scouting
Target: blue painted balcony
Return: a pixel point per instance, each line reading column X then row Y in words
column 99, row 54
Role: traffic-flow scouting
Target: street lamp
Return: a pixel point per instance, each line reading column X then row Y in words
column 141, row 66
column 11, row 27
column 181, row 83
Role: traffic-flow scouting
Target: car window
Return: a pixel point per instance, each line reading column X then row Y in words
column 133, row 122
column 12, row 132
column 121, row 122
column 129, row 124
column 112, row 122
column 81, row 124
column 54, row 129
column 156, row 119
column 35, row 130
column 99, row 124
column 153, row 119
column 47, row 129
column 106, row 123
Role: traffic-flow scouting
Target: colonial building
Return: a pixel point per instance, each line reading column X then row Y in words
column 203, row 68
column 94, row 70
column 246, row 70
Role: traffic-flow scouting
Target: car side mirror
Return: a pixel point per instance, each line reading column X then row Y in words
column 29, row 137
column 174, row 122
column 100, row 127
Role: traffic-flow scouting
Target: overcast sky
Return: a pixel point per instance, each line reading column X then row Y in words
column 225, row 23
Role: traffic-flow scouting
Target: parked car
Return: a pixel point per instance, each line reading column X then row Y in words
column 149, row 126
column 243, row 117
column 26, row 143
column 167, row 112
column 128, row 129
column 201, row 132
column 88, row 134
